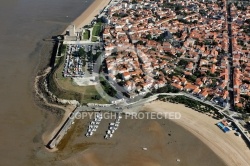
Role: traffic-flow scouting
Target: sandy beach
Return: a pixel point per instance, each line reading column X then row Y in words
column 87, row 16
column 232, row 149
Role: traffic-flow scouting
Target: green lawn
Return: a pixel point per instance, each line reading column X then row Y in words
column 94, row 39
column 96, row 29
column 86, row 35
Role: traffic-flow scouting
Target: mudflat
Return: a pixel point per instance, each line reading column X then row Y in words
column 24, row 24
column 165, row 142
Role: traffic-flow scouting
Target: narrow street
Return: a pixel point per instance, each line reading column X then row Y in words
column 230, row 57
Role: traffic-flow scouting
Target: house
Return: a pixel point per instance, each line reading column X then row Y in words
column 183, row 80
column 129, row 86
column 196, row 91
column 203, row 94
column 213, row 68
column 147, row 85
column 225, row 95
column 126, row 75
column 190, row 66
column 177, row 86
column 190, row 87
column 222, row 85
column 199, row 82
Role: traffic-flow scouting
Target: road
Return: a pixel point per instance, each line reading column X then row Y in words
column 118, row 108
column 230, row 57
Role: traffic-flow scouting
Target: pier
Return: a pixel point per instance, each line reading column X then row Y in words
column 63, row 130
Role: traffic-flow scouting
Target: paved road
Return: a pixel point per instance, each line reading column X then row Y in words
column 230, row 57
column 119, row 108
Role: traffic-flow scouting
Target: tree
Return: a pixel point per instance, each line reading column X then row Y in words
column 140, row 42
column 197, row 42
column 197, row 73
column 183, row 62
column 63, row 48
column 238, row 109
column 206, row 42
column 178, row 7
column 178, row 34
column 247, row 21
column 192, row 78
column 148, row 95
column 203, row 12
column 195, row 22
column 107, row 88
column 96, row 97
column 134, row 2
column 167, row 89
column 82, row 53
column 178, row 54
column 214, row 43
column 119, row 76
column 149, row 37
column 247, row 107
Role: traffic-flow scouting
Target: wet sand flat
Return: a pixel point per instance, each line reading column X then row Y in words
column 165, row 142
column 232, row 149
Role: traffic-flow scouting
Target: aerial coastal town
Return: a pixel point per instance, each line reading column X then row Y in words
column 199, row 47
column 185, row 44
column 196, row 48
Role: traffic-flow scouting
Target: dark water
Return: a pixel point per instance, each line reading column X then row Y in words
column 23, row 25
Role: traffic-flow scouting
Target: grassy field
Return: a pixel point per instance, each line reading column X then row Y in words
column 86, row 35
column 65, row 88
column 94, row 39
column 96, row 29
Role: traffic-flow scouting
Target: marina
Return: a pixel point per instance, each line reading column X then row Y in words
column 94, row 124
column 113, row 127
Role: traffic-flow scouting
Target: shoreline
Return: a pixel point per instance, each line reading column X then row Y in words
column 83, row 19
column 230, row 148
column 88, row 15
column 47, row 135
